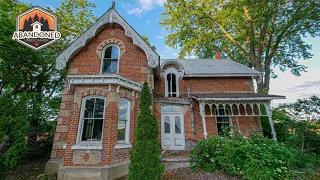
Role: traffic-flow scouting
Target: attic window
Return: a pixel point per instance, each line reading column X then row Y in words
column 110, row 59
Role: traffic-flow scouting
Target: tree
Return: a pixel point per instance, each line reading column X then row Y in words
column 148, row 42
column 259, row 34
column 145, row 155
column 13, row 127
column 31, row 74
column 297, row 124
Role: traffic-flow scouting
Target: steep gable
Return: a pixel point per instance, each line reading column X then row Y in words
column 111, row 16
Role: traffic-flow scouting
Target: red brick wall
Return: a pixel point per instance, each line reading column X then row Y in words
column 75, row 157
column 133, row 62
column 206, row 84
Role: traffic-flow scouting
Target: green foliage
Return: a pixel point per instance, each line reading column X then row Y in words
column 30, row 77
column 297, row 124
column 13, row 129
column 145, row 155
column 148, row 42
column 255, row 158
column 259, row 34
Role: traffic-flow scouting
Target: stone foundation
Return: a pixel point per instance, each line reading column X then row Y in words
column 107, row 172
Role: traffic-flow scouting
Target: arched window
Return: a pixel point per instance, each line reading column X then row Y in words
column 92, row 115
column 124, row 121
column 171, row 83
column 110, row 59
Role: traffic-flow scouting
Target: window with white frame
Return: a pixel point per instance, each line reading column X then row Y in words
column 171, row 83
column 91, row 123
column 223, row 120
column 124, row 121
column 110, row 59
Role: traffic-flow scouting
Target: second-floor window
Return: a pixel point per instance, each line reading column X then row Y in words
column 171, row 83
column 110, row 59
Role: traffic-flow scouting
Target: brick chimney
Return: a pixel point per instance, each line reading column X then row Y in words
column 218, row 54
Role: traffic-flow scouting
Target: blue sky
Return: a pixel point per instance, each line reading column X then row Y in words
column 144, row 15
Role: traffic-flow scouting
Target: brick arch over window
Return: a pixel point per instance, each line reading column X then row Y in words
column 115, row 41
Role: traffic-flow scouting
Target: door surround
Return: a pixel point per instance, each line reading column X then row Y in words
column 172, row 140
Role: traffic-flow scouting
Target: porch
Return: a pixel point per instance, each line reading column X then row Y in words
column 234, row 109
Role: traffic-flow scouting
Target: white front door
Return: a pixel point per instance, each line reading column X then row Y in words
column 172, row 128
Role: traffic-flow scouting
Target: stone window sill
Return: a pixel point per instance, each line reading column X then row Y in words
column 123, row 145
column 87, row 145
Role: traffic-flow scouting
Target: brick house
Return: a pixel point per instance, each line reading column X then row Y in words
column 106, row 67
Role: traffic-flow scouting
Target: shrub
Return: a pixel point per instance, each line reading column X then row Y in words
column 145, row 155
column 13, row 129
column 255, row 158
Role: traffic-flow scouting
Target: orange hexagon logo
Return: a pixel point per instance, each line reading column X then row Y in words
column 36, row 28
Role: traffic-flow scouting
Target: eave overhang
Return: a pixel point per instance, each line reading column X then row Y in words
column 103, row 79
column 236, row 97
column 111, row 16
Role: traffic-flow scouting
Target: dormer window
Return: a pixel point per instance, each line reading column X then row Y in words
column 110, row 59
column 171, row 82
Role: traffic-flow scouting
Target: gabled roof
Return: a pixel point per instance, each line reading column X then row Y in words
column 211, row 67
column 111, row 16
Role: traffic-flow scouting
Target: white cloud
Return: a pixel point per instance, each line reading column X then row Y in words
column 160, row 37
column 145, row 5
column 148, row 22
column 135, row 11
column 294, row 87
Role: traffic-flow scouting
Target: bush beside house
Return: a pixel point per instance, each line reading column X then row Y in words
column 255, row 158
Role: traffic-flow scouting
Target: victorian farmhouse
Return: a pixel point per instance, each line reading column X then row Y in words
column 192, row 99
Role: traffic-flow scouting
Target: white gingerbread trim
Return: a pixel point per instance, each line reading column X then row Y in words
column 111, row 16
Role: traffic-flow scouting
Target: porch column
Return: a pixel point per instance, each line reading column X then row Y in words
column 203, row 115
column 269, row 113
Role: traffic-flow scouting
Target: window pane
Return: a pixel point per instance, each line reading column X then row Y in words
column 106, row 65
column 174, row 83
column 123, row 109
column 122, row 130
column 99, row 106
column 177, row 125
column 87, row 129
column 166, row 108
column 115, row 52
column 176, row 108
column 123, row 122
column 113, row 67
column 166, row 124
column 88, row 111
column 170, row 108
column 97, row 130
column 169, row 84
column 107, row 53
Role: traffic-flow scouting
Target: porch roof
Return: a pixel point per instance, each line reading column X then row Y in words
column 234, row 96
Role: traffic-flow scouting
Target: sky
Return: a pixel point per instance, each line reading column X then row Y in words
column 144, row 16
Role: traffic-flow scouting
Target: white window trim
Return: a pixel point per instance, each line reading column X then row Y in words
column 174, row 71
column 88, row 144
column 126, row 142
column 102, row 57
column 229, row 117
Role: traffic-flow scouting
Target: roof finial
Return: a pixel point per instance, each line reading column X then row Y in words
column 113, row 4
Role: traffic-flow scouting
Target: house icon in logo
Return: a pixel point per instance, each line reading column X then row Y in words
column 36, row 26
